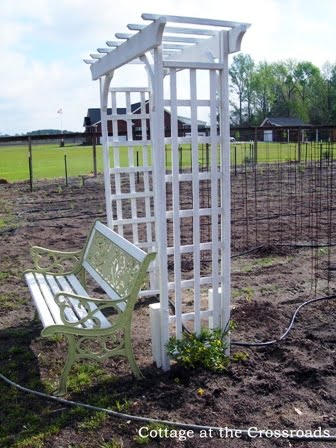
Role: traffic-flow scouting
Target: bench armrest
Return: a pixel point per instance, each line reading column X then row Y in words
column 56, row 262
column 89, row 306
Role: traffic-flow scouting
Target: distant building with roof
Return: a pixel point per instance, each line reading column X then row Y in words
column 92, row 123
column 284, row 129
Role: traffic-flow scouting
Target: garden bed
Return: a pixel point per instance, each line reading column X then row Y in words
column 287, row 386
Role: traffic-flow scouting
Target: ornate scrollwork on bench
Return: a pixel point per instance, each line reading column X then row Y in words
column 83, row 306
column 116, row 266
column 56, row 262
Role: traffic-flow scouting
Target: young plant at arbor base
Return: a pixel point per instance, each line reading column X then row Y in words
column 204, row 350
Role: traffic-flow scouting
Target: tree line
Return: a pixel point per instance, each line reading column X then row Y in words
column 287, row 88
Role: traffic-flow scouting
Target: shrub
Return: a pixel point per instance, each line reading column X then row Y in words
column 204, row 350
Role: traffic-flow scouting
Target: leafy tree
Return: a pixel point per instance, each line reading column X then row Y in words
column 241, row 72
column 263, row 84
column 287, row 88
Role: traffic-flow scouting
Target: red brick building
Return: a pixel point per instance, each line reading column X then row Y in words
column 92, row 123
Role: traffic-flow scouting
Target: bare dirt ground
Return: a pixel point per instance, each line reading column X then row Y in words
column 287, row 386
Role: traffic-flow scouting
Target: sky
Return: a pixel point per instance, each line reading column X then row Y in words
column 43, row 44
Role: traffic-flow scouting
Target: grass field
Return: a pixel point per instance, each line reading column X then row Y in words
column 48, row 160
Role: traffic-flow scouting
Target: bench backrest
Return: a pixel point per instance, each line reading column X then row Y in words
column 114, row 262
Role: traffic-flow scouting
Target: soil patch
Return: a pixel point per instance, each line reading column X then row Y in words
column 287, row 386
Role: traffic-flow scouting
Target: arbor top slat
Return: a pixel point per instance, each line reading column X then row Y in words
column 195, row 20
column 190, row 38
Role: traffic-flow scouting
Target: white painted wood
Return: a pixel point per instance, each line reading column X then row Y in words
column 176, row 203
column 235, row 37
column 104, row 84
column 187, row 177
column 124, row 36
column 113, row 43
column 38, row 299
column 187, row 140
column 127, row 117
column 104, row 50
column 140, row 194
column 189, row 248
column 142, row 42
column 186, row 102
column 155, row 323
column 79, row 290
column 118, row 144
column 175, row 29
column 54, row 288
column 215, row 200
column 125, row 221
column 116, row 162
column 205, row 314
column 195, row 31
column 132, row 169
column 43, row 289
column 173, row 46
column 206, row 51
column 48, row 298
column 157, row 132
column 129, row 89
column 79, row 311
column 131, row 164
column 194, row 20
column 174, row 61
column 196, row 202
column 190, row 284
column 223, row 83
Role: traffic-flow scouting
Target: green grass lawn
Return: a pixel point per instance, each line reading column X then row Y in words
column 48, row 159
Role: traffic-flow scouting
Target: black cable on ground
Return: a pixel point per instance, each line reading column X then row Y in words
column 274, row 341
column 285, row 334
column 242, row 433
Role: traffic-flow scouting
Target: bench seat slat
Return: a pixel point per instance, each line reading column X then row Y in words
column 41, row 306
column 78, row 289
column 54, row 287
column 48, row 298
column 43, row 288
column 79, row 312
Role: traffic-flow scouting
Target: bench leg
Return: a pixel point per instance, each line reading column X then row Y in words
column 130, row 355
column 68, row 364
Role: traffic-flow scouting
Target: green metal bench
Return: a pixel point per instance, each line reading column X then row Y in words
column 57, row 285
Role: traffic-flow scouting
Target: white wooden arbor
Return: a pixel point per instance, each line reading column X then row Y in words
column 167, row 46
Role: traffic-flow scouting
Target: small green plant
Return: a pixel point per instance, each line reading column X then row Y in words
column 206, row 349
column 268, row 289
column 247, row 292
column 122, row 405
column 240, row 356
column 322, row 251
column 94, row 421
column 141, row 440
